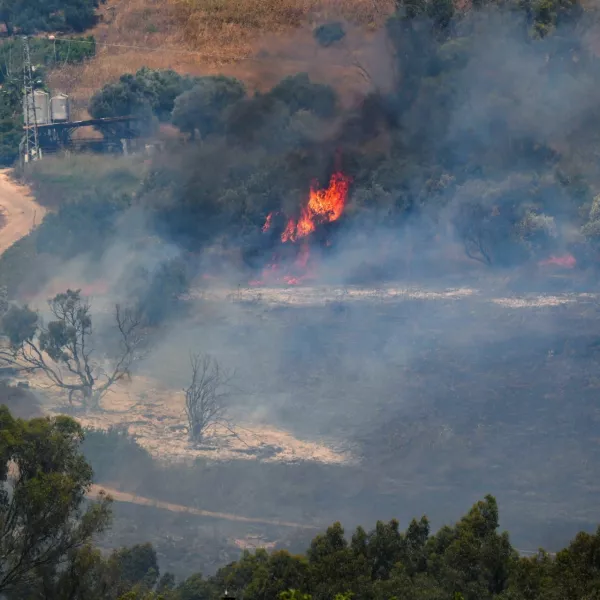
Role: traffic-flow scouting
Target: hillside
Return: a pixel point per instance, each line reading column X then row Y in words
column 385, row 242
column 258, row 41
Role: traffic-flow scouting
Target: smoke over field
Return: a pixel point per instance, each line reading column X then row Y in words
column 403, row 288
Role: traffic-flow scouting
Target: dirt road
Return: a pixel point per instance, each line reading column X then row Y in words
column 142, row 501
column 19, row 210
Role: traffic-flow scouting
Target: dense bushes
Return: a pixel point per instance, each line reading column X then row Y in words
column 453, row 139
column 108, row 452
column 470, row 560
column 29, row 16
column 148, row 92
column 203, row 107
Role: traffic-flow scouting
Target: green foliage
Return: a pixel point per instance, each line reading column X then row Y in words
column 83, row 226
column 42, row 512
column 297, row 92
column 329, row 33
column 148, row 92
column 19, row 324
column 109, row 451
column 470, row 560
column 30, row 16
column 136, row 567
column 63, row 349
column 203, row 108
column 159, row 290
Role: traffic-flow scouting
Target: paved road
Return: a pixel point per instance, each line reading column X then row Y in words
column 20, row 212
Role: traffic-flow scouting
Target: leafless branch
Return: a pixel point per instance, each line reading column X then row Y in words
column 63, row 350
column 206, row 396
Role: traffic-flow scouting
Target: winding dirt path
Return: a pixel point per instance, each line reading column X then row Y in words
column 19, row 212
column 143, row 501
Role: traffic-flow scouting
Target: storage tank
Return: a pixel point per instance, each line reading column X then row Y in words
column 41, row 100
column 59, row 108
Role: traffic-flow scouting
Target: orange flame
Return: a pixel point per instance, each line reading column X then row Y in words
column 267, row 224
column 324, row 206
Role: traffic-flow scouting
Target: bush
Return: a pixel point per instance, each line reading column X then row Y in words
column 203, row 108
column 329, row 33
column 148, row 92
column 30, row 16
column 112, row 451
column 157, row 292
column 297, row 92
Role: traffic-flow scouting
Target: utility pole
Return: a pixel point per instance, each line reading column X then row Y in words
column 32, row 144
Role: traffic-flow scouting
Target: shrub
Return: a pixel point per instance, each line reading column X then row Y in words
column 203, row 107
column 298, row 92
column 148, row 92
column 329, row 33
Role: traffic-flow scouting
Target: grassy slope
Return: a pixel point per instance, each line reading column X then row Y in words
column 260, row 44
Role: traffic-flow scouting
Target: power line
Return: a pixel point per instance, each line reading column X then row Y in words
column 147, row 48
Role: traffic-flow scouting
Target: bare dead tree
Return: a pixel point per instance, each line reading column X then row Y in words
column 63, row 350
column 206, row 396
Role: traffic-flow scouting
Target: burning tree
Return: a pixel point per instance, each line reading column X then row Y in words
column 206, row 396
column 323, row 206
column 63, row 350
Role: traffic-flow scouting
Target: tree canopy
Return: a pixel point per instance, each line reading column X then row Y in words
column 147, row 92
column 29, row 16
column 46, row 548
column 43, row 482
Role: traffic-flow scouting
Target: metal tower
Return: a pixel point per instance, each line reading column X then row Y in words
column 32, row 145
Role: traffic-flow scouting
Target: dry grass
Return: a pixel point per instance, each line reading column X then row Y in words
column 259, row 41
column 232, row 22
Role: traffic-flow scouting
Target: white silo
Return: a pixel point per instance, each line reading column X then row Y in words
column 59, row 108
column 41, row 101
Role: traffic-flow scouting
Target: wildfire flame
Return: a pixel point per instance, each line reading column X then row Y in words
column 323, row 206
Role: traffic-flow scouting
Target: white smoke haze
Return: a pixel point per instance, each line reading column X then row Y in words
column 417, row 360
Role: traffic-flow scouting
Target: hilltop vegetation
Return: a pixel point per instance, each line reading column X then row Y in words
column 504, row 174
column 48, row 550
column 496, row 173
column 31, row 16
column 484, row 126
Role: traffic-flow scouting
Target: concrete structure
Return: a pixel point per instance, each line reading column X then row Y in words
column 59, row 108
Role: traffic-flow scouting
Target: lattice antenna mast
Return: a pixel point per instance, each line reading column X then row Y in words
column 32, row 144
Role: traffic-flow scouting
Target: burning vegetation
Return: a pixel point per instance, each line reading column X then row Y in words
column 323, row 206
column 440, row 392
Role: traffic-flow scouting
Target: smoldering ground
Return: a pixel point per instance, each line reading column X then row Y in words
column 433, row 373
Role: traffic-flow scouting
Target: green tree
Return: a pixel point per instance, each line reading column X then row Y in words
column 136, row 566
column 298, row 92
column 29, row 16
column 145, row 93
column 203, row 108
column 44, row 478
column 63, row 349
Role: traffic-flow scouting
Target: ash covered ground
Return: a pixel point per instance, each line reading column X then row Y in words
column 359, row 403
